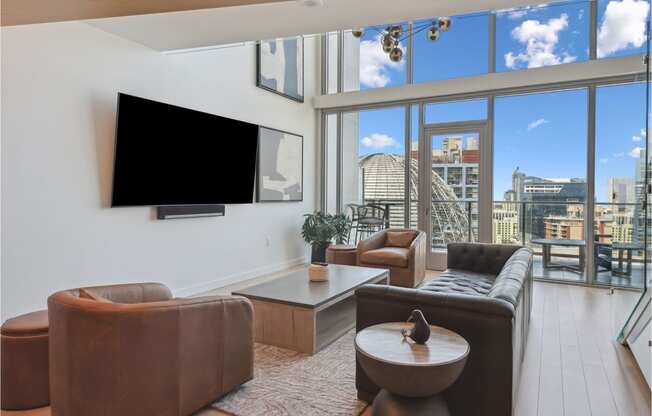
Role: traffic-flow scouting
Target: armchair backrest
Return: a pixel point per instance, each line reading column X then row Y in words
column 145, row 352
column 132, row 292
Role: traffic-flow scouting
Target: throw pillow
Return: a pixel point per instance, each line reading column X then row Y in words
column 401, row 239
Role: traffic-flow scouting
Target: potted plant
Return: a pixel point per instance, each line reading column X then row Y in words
column 318, row 231
column 342, row 227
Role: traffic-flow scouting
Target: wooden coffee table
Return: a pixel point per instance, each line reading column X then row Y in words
column 411, row 375
column 293, row 312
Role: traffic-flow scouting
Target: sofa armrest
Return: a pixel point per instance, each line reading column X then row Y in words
column 479, row 257
column 487, row 325
column 417, row 252
column 373, row 242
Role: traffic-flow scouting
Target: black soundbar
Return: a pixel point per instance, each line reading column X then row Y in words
column 189, row 211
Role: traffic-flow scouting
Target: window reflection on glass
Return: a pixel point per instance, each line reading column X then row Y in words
column 621, row 27
column 542, row 35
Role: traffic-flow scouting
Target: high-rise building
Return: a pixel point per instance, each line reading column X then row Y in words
column 506, row 224
column 621, row 191
column 554, row 198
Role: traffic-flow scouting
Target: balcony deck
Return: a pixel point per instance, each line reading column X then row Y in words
column 603, row 276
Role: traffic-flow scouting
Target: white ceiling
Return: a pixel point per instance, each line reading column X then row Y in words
column 211, row 27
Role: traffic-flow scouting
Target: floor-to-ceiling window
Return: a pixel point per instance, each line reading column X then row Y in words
column 373, row 161
column 539, row 179
column 620, row 184
column 540, row 140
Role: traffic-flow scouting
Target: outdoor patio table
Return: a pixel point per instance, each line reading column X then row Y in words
column 547, row 243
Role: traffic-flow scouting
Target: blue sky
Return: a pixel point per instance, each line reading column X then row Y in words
column 543, row 134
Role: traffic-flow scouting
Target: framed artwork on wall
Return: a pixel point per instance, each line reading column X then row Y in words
column 279, row 67
column 280, row 166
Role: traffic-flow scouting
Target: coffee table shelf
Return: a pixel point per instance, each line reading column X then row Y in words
column 293, row 312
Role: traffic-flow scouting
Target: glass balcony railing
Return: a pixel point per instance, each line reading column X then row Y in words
column 553, row 230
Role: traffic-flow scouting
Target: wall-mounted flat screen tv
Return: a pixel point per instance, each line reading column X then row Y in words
column 169, row 155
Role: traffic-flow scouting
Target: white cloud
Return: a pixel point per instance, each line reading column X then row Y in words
column 537, row 123
column 518, row 12
column 378, row 141
column 604, row 160
column 635, row 152
column 540, row 41
column 375, row 64
column 622, row 27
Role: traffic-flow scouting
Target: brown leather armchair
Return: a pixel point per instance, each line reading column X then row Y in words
column 402, row 251
column 134, row 350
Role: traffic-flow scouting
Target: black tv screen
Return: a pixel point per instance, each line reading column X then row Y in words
column 169, row 155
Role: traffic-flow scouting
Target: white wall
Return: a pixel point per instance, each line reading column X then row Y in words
column 59, row 87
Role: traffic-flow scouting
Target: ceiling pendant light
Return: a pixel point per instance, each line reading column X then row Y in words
column 388, row 43
column 395, row 31
column 433, row 34
column 444, row 23
column 396, row 54
column 390, row 37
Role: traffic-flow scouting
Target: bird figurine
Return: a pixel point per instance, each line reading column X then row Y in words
column 420, row 332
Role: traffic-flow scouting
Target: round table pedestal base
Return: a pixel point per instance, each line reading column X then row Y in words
column 388, row 404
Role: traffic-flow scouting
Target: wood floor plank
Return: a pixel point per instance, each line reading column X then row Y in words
column 528, row 393
column 590, row 309
column 576, row 401
column 551, row 401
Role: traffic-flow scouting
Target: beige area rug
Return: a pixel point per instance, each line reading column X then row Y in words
column 291, row 383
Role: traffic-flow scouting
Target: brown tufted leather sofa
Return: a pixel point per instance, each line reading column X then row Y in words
column 406, row 262
column 134, row 350
column 485, row 295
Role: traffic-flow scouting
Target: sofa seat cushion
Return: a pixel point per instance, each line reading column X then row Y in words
column 387, row 256
column 460, row 281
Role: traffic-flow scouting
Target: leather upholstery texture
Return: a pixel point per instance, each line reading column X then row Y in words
column 486, row 297
column 390, row 256
column 24, row 374
column 407, row 266
column 146, row 353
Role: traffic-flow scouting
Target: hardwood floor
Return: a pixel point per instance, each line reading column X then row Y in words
column 573, row 366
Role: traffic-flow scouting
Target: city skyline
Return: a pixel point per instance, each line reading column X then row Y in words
column 530, row 131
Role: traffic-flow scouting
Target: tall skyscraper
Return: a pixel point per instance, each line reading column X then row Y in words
column 621, row 191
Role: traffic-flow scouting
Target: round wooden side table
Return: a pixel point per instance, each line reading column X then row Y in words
column 342, row 254
column 411, row 375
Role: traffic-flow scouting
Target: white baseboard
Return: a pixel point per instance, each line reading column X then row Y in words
column 238, row 277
